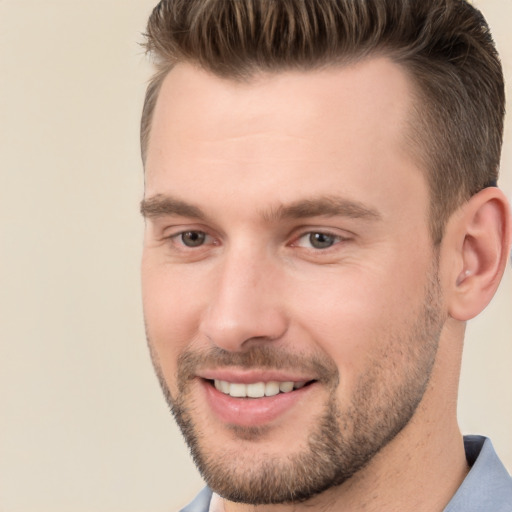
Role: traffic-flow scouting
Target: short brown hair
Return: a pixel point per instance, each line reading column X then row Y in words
column 444, row 45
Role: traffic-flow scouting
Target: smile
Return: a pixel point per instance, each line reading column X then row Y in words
column 256, row 389
column 251, row 399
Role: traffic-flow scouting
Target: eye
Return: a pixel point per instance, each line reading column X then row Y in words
column 318, row 240
column 192, row 238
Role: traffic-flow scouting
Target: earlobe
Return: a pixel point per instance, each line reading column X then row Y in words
column 481, row 233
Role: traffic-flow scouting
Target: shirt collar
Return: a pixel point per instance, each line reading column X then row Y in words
column 487, row 486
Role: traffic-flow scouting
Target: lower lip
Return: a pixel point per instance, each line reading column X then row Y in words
column 252, row 412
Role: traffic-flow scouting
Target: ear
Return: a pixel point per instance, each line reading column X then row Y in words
column 478, row 236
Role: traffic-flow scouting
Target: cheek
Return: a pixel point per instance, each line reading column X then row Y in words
column 171, row 312
column 358, row 316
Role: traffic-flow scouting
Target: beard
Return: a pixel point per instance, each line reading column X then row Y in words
column 342, row 441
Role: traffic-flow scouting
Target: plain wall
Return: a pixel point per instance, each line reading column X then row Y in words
column 83, row 425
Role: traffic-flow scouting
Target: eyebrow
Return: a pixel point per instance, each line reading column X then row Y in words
column 161, row 206
column 324, row 206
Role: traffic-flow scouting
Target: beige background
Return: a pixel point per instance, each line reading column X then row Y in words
column 83, row 426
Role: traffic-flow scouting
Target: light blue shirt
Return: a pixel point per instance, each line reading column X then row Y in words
column 486, row 488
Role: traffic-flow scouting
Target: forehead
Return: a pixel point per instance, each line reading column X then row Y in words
column 342, row 125
column 371, row 96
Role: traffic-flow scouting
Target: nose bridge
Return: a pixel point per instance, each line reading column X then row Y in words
column 244, row 303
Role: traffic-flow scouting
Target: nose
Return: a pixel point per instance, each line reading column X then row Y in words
column 246, row 306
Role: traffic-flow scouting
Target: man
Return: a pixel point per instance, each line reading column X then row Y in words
column 322, row 219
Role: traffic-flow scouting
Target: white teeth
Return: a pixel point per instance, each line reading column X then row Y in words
column 238, row 390
column 271, row 388
column 285, row 387
column 224, row 386
column 256, row 389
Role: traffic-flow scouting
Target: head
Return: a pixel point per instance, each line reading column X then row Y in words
column 292, row 151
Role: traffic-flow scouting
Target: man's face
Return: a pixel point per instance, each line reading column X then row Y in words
column 290, row 289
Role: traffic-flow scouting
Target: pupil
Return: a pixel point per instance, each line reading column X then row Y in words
column 321, row 240
column 193, row 238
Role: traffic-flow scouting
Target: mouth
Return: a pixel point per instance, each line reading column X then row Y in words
column 257, row 389
column 240, row 397
column 257, row 401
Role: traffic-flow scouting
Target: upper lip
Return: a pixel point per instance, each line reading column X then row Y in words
column 253, row 376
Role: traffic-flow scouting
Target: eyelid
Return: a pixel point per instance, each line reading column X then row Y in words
column 170, row 230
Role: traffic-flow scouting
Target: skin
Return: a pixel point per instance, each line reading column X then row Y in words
column 244, row 163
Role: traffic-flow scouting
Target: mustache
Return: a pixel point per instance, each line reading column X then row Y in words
column 257, row 357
